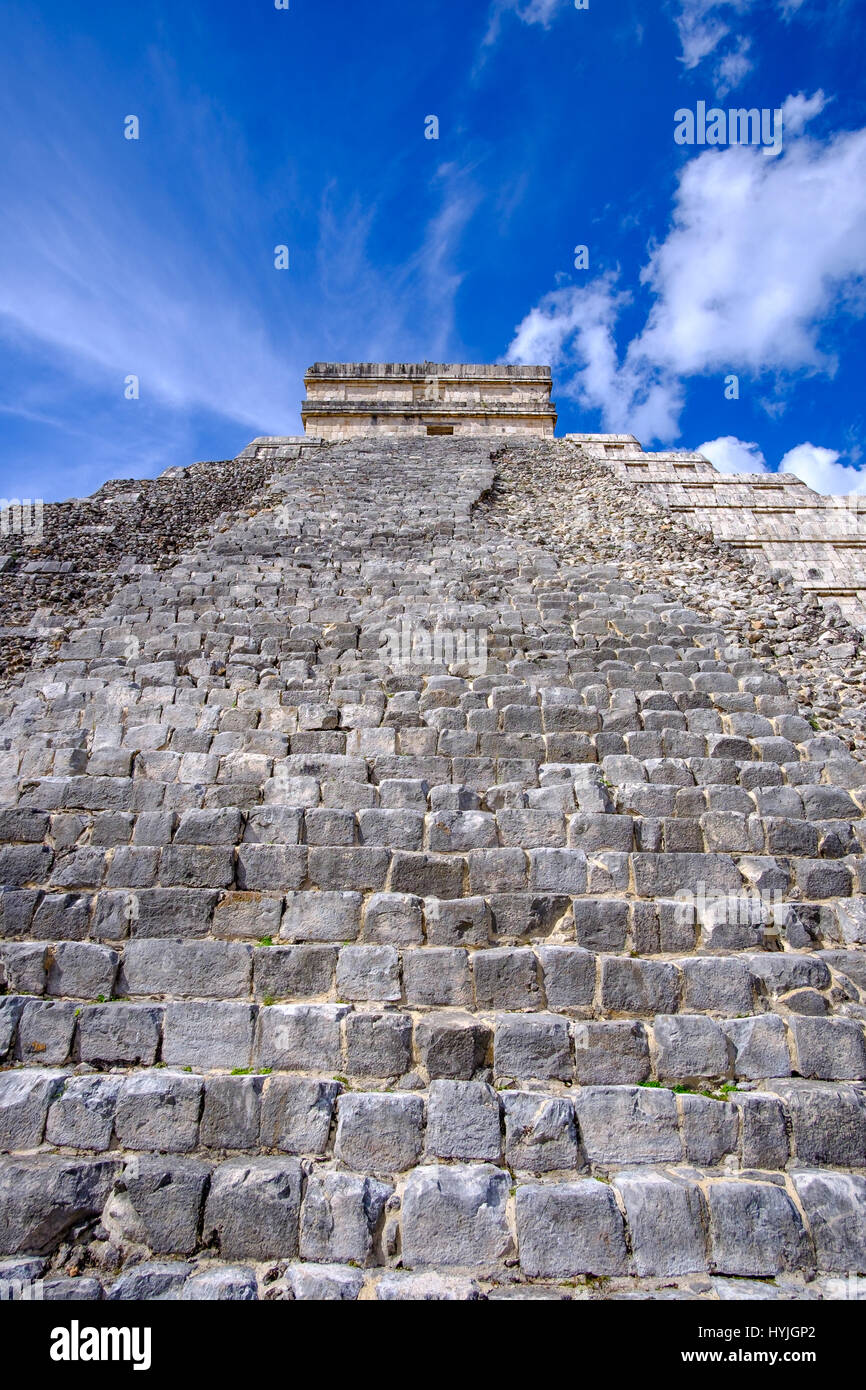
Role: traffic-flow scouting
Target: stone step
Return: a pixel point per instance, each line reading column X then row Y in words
column 477, row 1219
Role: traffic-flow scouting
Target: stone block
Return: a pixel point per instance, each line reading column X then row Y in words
column 689, row 1047
column 540, row 1132
column 157, row 1202
column 358, row 869
column 666, row 1221
column 829, row 1049
column 45, row 1032
column 611, row 1053
column 571, row 1228
column 764, row 1131
column 463, row 1121
column 279, row 868
column 208, row 1035
column 394, row 919
column 159, row 1111
column 293, row 972
column 835, row 1207
column 716, row 984
column 639, row 986
column 231, row 1114
column 532, row 1046
column 187, row 969
column 427, row 875
column 368, row 973
column 437, row 975
column 378, row 1044
column 44, row 1197
column 326, row 916
column 710, row 1129
column 458, row 922
column 628, row 1124
column 79, row 970
column 452, row 1045
column 225, row 1284
column 379, row 1133
column 756, row 1230
column 253, row 1208
column 340, row 1218
column 828, row 1122
column 300, row 1037
column 25, row 1096
column 456, row 1216
column 296, row 1114
column 760, row 1046
column 569, row 976
column 109, row 1034
column 557, row 870
column 506, row 979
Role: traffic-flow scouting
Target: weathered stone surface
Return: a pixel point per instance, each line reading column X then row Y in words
column 540, row 1132
column 159, row 1111
column 456, row 1216
column 253, row 1208
column 43, row 1197
column 463, row 1121
column 666, row 1223
column 158, row 1202
column 82, row 1116
column 628, row 1124
column 564, row 1229
column 379, row 1133
column 755, row 1230
column 24, row 1100
column 340, row 1217
column 835, row 1207
column 296, row 1114
column 225, row 1284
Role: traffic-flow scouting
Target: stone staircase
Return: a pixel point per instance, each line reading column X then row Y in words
column 328, row 977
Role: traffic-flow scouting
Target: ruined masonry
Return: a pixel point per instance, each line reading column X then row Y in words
column 329, row 977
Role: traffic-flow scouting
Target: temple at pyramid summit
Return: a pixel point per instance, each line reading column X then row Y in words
column 433, row 864
column 818, row 540
column 345, row 399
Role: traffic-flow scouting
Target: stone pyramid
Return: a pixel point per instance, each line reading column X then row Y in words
column 346, row 958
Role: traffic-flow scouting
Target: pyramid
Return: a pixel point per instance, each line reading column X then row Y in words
column 434, row 871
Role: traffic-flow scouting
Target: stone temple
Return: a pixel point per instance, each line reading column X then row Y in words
column 433, row 856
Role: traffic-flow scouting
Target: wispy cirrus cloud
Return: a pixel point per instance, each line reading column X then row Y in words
column 541, row 12
column 713, row 29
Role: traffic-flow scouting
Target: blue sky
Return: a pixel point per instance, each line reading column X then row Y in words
column 306, row 127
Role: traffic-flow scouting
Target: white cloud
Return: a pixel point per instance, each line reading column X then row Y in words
column 572, row 329
column 708, row 27
column 703, row 24
column 820, row 469
column 762, row 254
column 541, row 12
column 732, row 455
column 798, row 110
column 733, row 67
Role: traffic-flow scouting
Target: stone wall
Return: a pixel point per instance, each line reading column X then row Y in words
column 326, row 976
column 356, row 399
column 819, row 540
